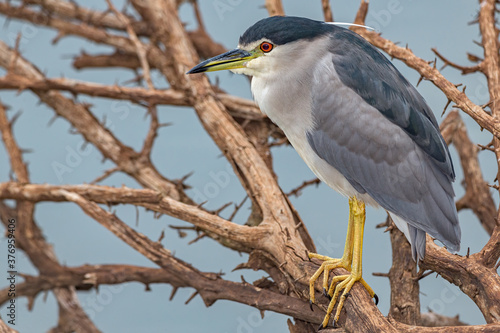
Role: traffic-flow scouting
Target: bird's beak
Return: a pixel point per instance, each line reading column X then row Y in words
column 236, row 58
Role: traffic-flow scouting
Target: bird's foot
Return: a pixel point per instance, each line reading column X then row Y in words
column 325, row 268
column 340, row 288
column 329, row 290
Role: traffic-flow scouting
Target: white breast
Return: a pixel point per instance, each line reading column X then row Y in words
column 279, row 102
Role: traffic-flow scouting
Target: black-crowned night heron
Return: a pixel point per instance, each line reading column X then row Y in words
column 360, row 126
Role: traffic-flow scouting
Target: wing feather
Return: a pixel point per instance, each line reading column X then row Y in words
column 378, row 132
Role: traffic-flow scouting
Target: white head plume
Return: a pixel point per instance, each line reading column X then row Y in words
column 351, row 25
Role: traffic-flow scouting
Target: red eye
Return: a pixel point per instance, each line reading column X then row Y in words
column 266, row 47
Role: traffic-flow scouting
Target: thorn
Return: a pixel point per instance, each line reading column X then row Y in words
column 14, row 118
column 298, row 225
column 164, row 125
column 473, row 57
column 51, row 121
column 162, row 235
column 218, row 211
column 137, row 218
column 376, row 299
column 200, row 236
column 26, row 150
column 201, row 204
column 420, row 79
column 446, row 106
column 494, row 186
column 484, row 106
column 468, row 253
column 191, row 298
column 237, row 208
column 384, row 224
column 173, row 293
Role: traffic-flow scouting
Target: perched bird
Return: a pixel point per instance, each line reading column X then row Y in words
column 360, row 126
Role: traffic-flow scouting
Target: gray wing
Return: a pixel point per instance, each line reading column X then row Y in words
column 376, row 129
column 366, row 71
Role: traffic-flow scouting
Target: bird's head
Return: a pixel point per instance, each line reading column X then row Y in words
column 272, row 44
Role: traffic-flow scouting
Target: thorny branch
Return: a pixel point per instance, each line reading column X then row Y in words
column 153, row 38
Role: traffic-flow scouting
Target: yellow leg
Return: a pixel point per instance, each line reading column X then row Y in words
column 351, row 261
column 331, row 263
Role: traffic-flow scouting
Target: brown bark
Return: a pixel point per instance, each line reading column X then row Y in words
column 403, row 277
column 477, row 192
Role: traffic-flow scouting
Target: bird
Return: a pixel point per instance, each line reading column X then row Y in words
column 359, row 125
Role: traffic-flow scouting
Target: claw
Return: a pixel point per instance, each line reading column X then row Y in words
column 320, row 327
column 376, row 299
column 311, row 305
column 326, row 294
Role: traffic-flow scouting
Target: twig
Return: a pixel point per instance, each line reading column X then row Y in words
column 477, row 194
column 275, row 8
column 237, row 208
column 464, row 69
column 94, row 132
column 327, row 10
column 106, row 174
column 145, row 198
column 296, row 191
column 141, row 50
column 30, row 238
column 490, row 64
column 147, row 147
column 67, row 9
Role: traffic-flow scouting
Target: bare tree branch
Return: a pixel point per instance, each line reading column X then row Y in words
column 238, row 107
column 327, row 10
column 29, row 238
column 73, row 11
column 275, row 8
column 477, row 192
